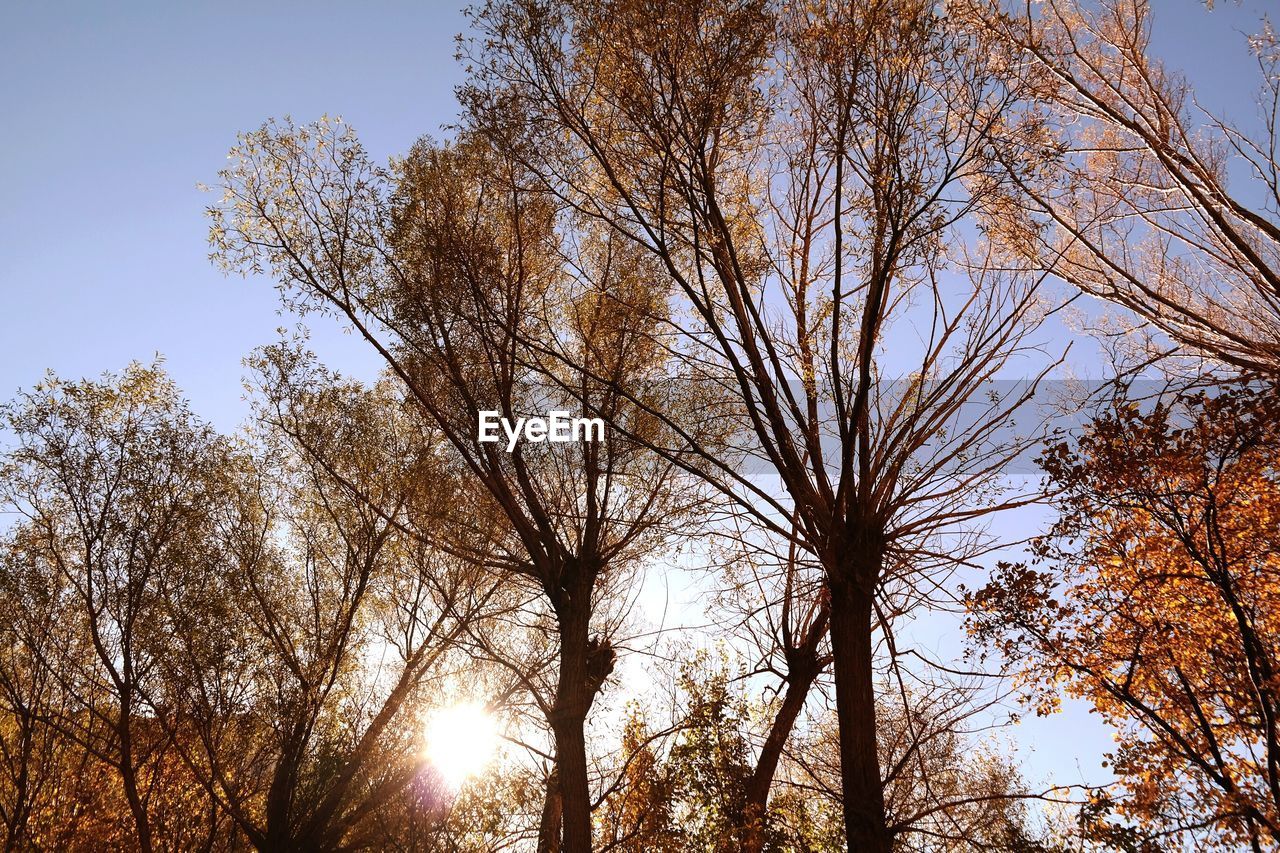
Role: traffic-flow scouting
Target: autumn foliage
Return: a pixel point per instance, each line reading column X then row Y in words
column 1156, row 597
column 811, row 265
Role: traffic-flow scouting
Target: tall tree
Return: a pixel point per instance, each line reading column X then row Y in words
column 448, row 267
column 805, row 176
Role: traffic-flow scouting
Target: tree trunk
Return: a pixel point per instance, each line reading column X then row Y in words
column 129, row 778
column 549, row 829
column 852, row 595
column 279, row 806
column 757, row 793
column 17, row 823
column 575, row 797
column 574, row 693
column 134, row 798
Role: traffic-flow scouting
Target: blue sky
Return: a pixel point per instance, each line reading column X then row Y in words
column 112, row 113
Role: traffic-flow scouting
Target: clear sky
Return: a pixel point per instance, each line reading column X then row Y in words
column 110, row 114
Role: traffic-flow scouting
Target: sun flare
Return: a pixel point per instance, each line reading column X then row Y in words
column 461, row 740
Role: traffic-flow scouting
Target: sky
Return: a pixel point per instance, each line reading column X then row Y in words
column 112, row 114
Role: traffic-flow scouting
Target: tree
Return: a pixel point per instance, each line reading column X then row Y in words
column 298, row 683
column 217, row 644
column 780, row 609
column 711, row 760
column 1155, row 599
column 804, row 176
column 947, row 787
column 694, row 794
column 448, row 267
column 637, row 814
column 110, row 481
column 46, row 792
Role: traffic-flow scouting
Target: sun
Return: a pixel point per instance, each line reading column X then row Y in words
column 461, row 740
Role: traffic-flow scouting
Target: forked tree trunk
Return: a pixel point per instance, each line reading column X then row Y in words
column 278, row 831
column 852, row 595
